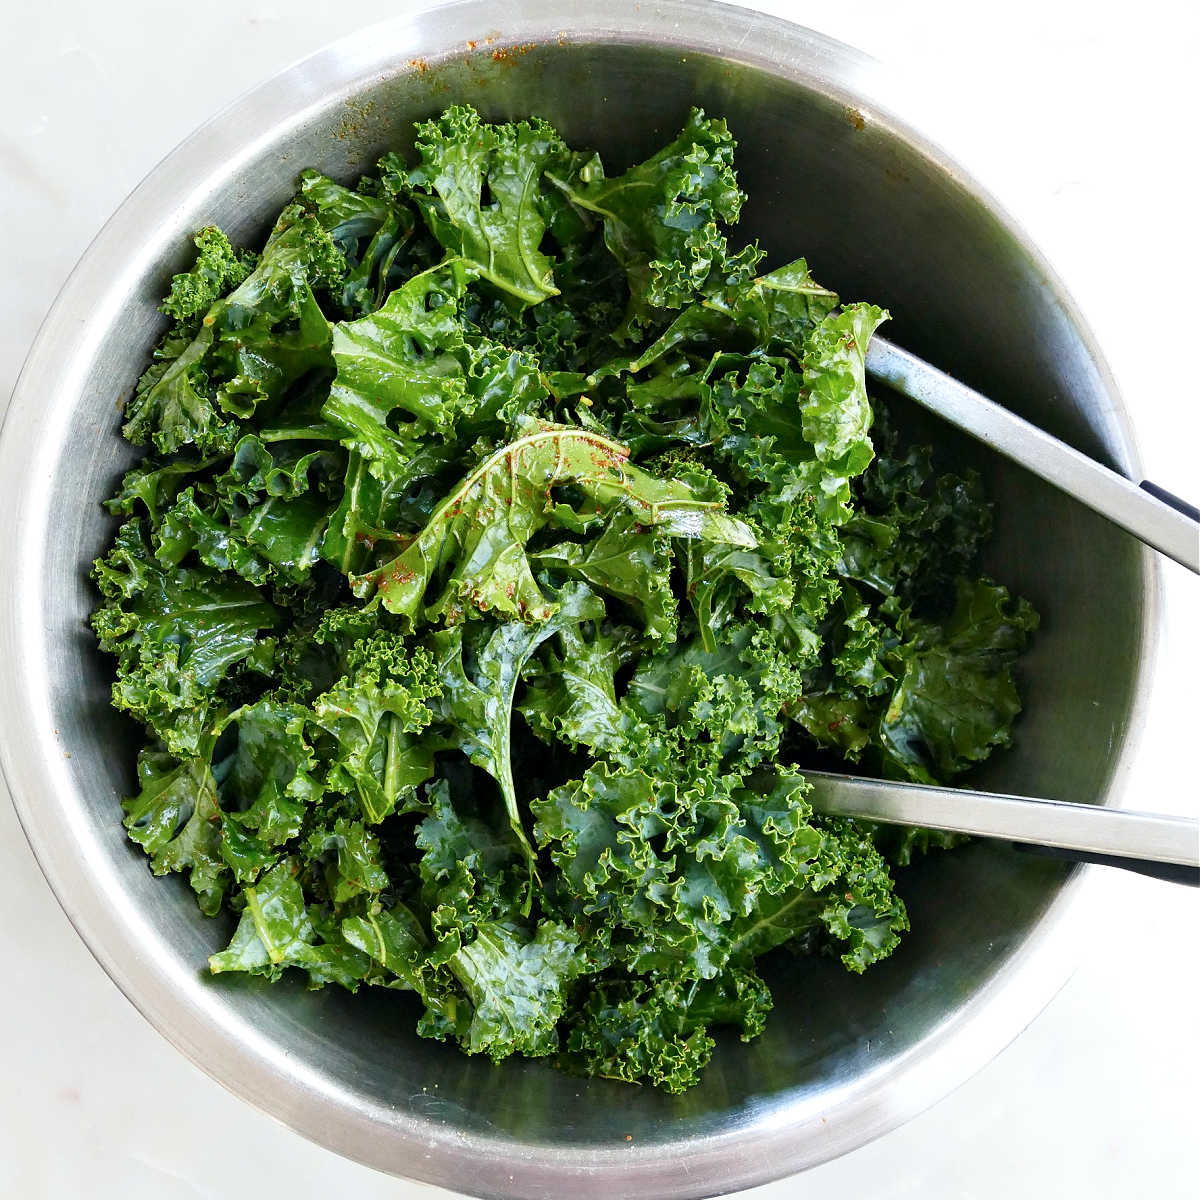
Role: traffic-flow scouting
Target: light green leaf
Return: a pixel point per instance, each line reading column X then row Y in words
column 472, row 551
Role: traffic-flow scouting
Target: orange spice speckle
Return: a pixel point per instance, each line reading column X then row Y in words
column 509, row 53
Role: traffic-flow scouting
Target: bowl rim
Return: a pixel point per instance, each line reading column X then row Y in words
column 31, row 761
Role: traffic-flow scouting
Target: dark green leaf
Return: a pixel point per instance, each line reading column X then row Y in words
column 479, row 189
column 957, row 698
column 663, row 217
column 175, row 819
column 218, row 268
column 476, row 701
column 516, row 985
column 275, row 930
column 250, row 346
column 376, row 714
column 570, row 694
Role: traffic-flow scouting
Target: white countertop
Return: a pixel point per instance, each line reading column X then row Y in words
column 1081, row 119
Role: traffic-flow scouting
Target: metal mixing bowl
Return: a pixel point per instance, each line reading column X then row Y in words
column 881, row 214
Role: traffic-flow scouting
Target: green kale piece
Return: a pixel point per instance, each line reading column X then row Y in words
column 263, row 518
column 174, row 819
column 914, row 530
column 400, row 373
column 371, row 232
column 571, row 690
column 479, row 187
column 249, row 347
column 668, row 865
column 490, row 977
column 655, row 1028
column 923, row 699
column 662, row 217
column 268, row 783
column 352, row 857
column 176, row 633
column 511, row 972
column 219, row 268
column 275, row 930
column 186, row 527
column 475, row 706
column 410, row 382
column 154, row 486
column 846, row 895
column 375, row 519
column 472, row 552
column 956, row 699
column 376, row 714
column 767, row 315
column 629, row 560
column 516, row 985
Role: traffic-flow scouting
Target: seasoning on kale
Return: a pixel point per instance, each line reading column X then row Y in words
column 506, row 546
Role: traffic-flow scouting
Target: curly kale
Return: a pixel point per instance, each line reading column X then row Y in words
column 506, row 548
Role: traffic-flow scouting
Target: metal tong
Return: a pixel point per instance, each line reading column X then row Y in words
column 1147, row 511
column 1166, row 847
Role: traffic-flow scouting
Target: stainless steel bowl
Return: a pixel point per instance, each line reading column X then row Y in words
column 832, row 173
